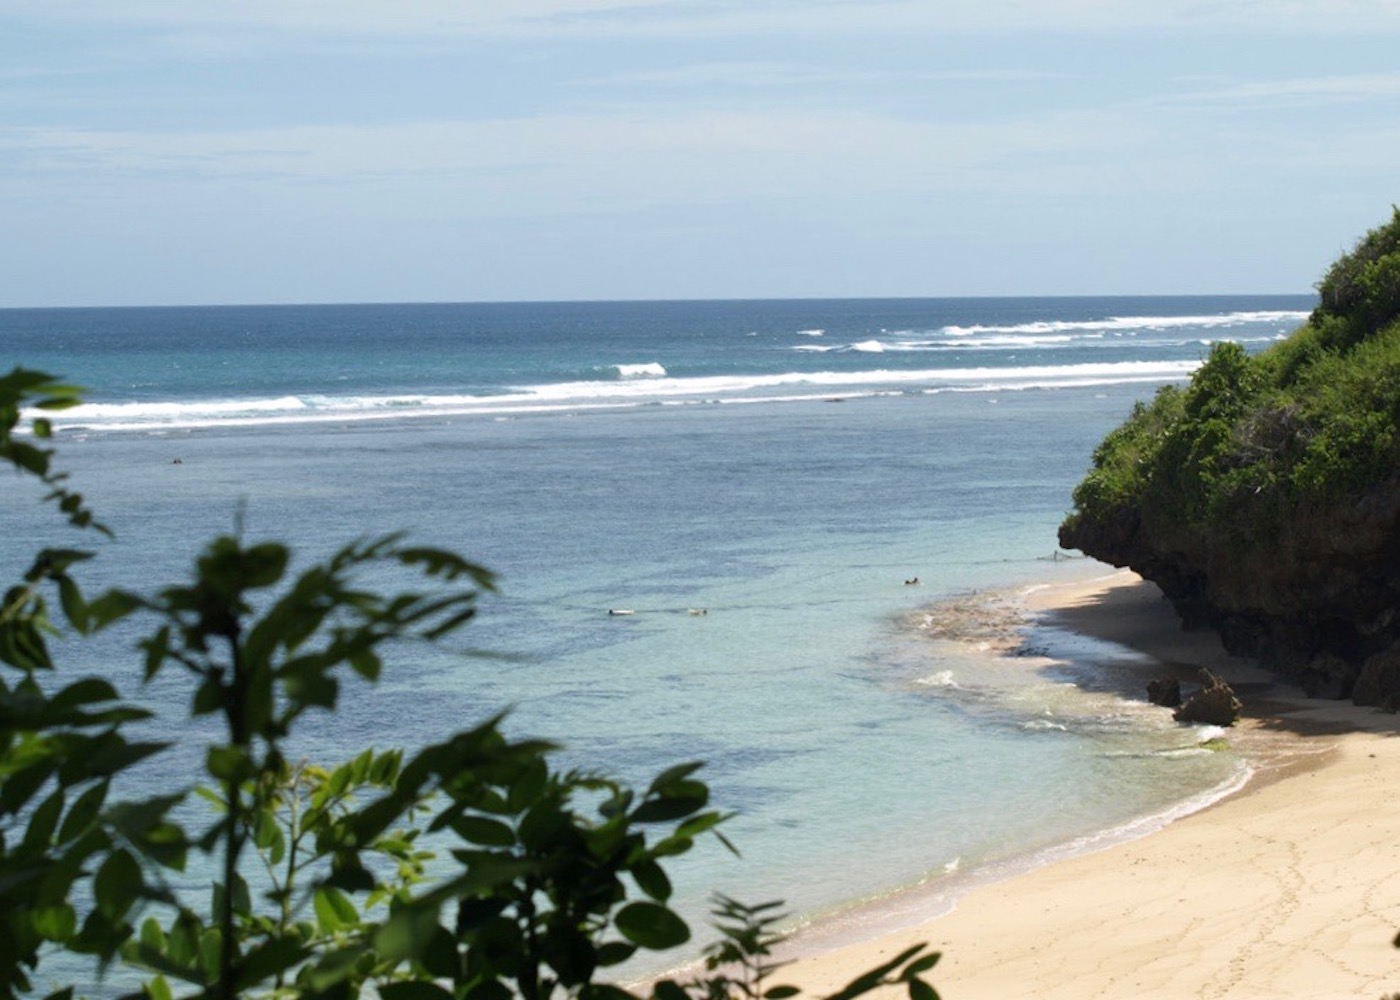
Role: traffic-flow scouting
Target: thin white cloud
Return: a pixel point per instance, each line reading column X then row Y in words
column 446, row 18
column 739, row 74
column 536, row 166
column 1296, row 93
column 380, row 17
column 768, row 75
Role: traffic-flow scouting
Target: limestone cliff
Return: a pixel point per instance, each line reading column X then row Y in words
column 1264, row 498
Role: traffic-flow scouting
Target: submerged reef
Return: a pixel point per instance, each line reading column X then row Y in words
column 1264, row 497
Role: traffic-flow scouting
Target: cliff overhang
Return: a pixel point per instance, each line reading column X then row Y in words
column 1264, row 497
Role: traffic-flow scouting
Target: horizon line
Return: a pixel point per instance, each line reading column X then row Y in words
column 660, row 300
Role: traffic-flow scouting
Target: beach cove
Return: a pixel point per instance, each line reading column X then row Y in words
column 797, row 465
column 1289, row 887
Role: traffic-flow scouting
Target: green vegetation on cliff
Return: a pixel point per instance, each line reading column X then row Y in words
column 1263, row 496
column 1313, row 417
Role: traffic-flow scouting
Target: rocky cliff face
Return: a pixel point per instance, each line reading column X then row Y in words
column 1315, row 601
column 1264, row 498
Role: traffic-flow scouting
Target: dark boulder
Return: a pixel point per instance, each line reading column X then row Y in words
column 1214, row 704
column 1379, row 681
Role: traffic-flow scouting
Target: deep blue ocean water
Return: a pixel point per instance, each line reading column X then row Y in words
column 784, row 465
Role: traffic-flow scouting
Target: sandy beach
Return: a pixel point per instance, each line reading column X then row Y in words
column 1288, row 888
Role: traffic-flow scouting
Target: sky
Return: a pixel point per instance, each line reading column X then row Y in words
column 157, row 152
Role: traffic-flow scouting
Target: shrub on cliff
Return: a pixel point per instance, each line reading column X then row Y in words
column 1313, row 416
column 1183, row 452
column 1360, row 293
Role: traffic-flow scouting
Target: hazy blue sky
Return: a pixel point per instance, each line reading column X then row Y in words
column 157, row 151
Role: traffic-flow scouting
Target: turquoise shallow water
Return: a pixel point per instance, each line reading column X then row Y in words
column 789, row 493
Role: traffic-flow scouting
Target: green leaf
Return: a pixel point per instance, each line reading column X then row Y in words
column 29, row 458
column 386, row 767
column 703, row 823
column 152, row 935
column 212, row 797
column 920, row 990
column 334, row 910
column 159, row 989
column 338, row 783
column 872, row 978
column 229, row 764
column 406, row 933
column 20, row 786
column 111, row 606
column 144, row 824
column 651, row 926
column 686, row 799
column 210, row 952
column 262, row 565
column 118, row 884
column 165, row 844
column 75, row 609
column 57, row 396
column 348, row 873
column 366, row 663
column 652, row 880
column 528, row 786
column 921, row 965
column 414, row 991
column 360, row 765
column 44, row 822
column 270, row 959
column 780, row 992
column 446, row 564
column 672, row 775
column 483, row 831
column 106, row 755
column 268, row 836
column 88, row 691
column 615, row 953
column 490, row 989
column 242, row 898
column 55, row 923
column 208, row 698
column 604, row 991
column 666, row 989
column 307, row 683
column 83, row 812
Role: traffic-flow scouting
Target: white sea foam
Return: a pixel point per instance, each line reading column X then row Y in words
column 649, row 370
column 942, row 679
column 1127, row 323
column 1143, row 825
column 1044, row 726
column 1052, row 334
column 650, row 388
column 810, row 333
column 212, row 407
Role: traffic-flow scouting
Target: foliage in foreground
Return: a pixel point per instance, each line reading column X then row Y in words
column 471, row 869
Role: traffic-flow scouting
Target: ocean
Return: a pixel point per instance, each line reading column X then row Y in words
column 856, row 493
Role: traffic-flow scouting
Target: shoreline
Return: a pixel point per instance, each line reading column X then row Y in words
column 1287, row 885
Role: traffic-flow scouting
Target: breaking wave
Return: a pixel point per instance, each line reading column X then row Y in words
column 648, row 388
